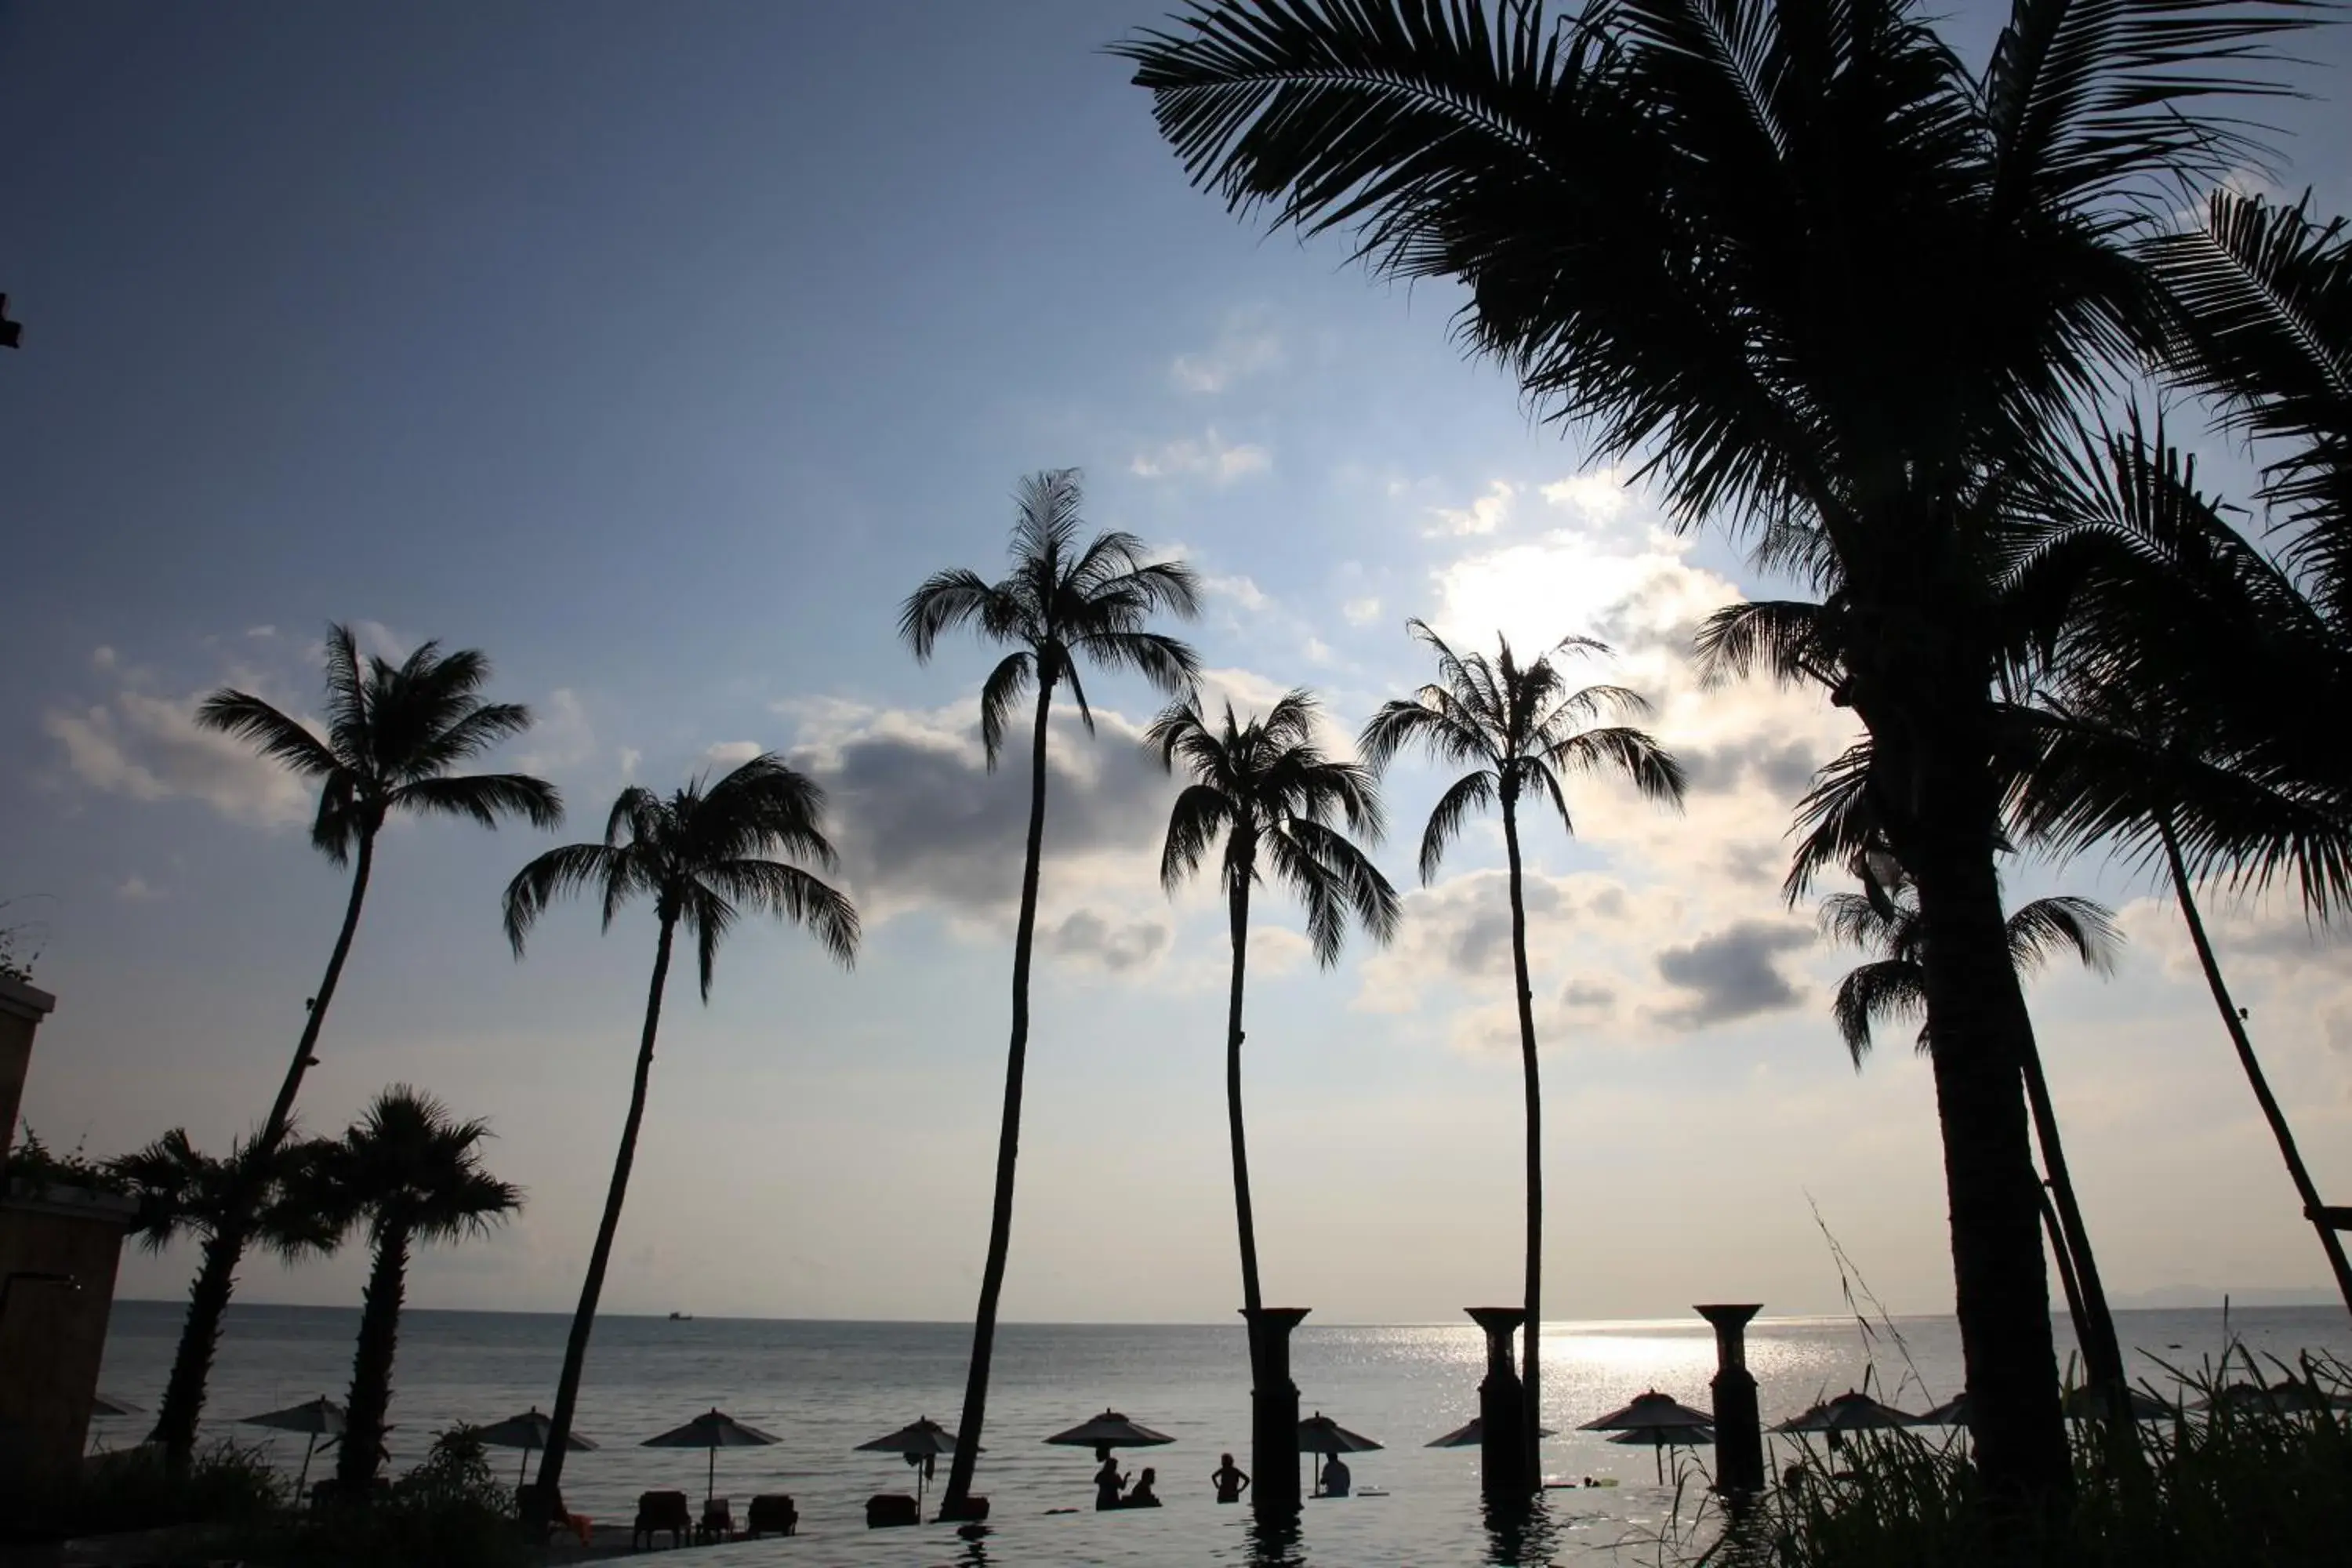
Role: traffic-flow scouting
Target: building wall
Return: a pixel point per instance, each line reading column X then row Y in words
column 22, row 1008
column 52, row 1337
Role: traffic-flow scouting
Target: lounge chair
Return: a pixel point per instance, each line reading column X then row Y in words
column 717, row 1520
column 772, row 1514
column 659, row 1512
column 884, row 1510
column 557, row 1516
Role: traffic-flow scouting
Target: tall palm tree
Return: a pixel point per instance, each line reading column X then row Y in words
column 1269, row 786
column 1830, row 284
column 703, row 855
column 393, row 735
column 413, row 1177
column 1517, row 728
column 1061, row 604
column 254, row 1195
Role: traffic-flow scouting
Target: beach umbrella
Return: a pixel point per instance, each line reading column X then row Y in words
column 103, row 1406
column 320, row 1417
column 1319, row 1434
column 1658, row 1438
column 1651, row 1412
column 1472, row 1432
column 529, row 1432
column 1849, row 1411
column 2089, row 1405
column 714, row 1431
column 2285, row 1397
column 1953, row 1411
column 1109, row 1430
column 922, row 1442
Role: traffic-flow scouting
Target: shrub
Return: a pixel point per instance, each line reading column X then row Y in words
column 450, row 1511
column 226, row 1483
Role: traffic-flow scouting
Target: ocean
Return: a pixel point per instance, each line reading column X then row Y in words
column 823, row 1387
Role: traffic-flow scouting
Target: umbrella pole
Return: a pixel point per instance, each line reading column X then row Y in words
column 711, row 1481
column 307, row 1449
column 524, row 1468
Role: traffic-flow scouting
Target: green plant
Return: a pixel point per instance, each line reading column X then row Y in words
column 134, row 1489
column 450, row 1511
column 33, row 1161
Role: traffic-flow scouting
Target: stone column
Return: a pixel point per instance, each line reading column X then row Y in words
column 1738, row 1432
column 1502, row 1408
column 1273, row 1409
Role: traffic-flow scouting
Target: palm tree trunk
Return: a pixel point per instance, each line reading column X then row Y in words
column 1252, row 1298
column 200, row 1331
column 583, row 1319
column 215, row 1281
column 2095, row 1326
column 2312, row 1207
column 1531, row 1341
column 2067, row 1280
column 1981, row 1036
column 955, row 1500
column 370, row 1400
column 282, row 1112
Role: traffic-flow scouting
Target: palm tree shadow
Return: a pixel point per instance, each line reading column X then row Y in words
column 1274, row 1541
column 1520, row 1532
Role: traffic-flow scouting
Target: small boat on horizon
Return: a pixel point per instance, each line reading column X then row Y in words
column 681, row 1317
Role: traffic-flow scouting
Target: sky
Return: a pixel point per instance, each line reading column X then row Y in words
column 659, row 353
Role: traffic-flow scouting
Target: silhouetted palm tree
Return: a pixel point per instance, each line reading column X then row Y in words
column 704, row 857
column 1061, row 604
column 1269, row 786
column 1831, row 285
column 1517, row 728
column 224, row 1204
column 392, row 734
column 413, row 1177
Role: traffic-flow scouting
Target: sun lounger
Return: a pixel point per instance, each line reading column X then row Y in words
column 557, row 1517
column 884, row 1510
column 773, row 1514
column 659, row 1512
column 717, row 1520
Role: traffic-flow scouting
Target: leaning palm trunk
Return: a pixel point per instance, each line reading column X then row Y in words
column 370, row 1401
column 208, row 1297
column 2095, row 1326
column 1530, row 1351
column 955, row 1501
column 1981, row 1038
column 1253, row 1299
column 583, row 1319
column 2312, row 1207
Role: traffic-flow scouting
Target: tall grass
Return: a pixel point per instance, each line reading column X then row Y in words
column 2268, row 1481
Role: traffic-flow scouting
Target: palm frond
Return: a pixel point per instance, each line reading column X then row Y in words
column 483, row 798
column 947, row 600
column 789, row 893
column 280, row 738
column 1471, row 793
column 1198, row 815
column 1886, row 991
column 1006, row 685
column 1349, row 878
column 1784, row 638
column 612, row 871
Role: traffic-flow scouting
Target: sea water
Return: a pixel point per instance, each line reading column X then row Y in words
column 822, row 1388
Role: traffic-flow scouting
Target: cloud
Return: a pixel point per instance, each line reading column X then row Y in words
column 148, row 748
column 1117, row 947
column 1730, row 974
column 1210, row 457
column 1242, row 591
column 1361, row 612
column 1784, row 767
column 630, row 756
column 261, row 633
column 725, row 754
column 1484, row 515
column 135, row 889
column 921, row 822
column 559, row 736
column 1242, row 348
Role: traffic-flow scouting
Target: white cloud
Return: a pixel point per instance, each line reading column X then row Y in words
column 148, row 748
column 1361, row 612
column 1318, row 651
column 1242, row 591
column 629, row 759
column 135, row 889
column 103, row 657
column 560, row 735
column 1243, row 349
column 732, row 753
column 1210, row 457
column 261, row 633
column 1484, row 515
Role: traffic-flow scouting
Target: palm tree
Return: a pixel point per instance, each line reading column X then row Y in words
column 1883, row 920
column 254, row 1195
column 414, row 1177
column 1060, row 604
column 1830, row 285
column 393, row 733
column 1267, row 786
column 1517, row 728
column 703, row 855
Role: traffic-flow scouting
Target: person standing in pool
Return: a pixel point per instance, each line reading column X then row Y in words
column 1229, row 1479
column 1334, row 1477
column 1108, row 1482
column 1143, row 1496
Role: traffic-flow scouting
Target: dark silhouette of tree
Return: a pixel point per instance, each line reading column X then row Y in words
column 250, row 1196
column 1062, row 604
column 393, row 735
column 705, row 856
column 1275, row 798
column 1517, row 728
column 1831, row 287
column 412, row 1176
